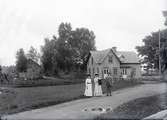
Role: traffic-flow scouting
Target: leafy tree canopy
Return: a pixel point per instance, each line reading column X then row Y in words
column 69, row 50
column 150, row 50
column 33, row 54
column 21, row 61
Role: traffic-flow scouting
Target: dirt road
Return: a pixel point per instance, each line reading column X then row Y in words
column 83, row 108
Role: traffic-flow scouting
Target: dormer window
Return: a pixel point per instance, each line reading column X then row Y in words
column 110, row 59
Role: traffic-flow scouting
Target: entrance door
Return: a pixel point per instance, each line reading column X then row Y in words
column 105, row 72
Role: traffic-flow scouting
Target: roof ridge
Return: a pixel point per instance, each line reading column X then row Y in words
column 130, row 56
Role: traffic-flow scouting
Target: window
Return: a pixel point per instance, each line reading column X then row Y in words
column 97, row 70
column 92, row 60
column 124, row 71
column 115, row 71
column 106, row 71
column 110, row 59
column 134, row 71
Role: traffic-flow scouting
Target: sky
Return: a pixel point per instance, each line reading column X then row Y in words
column 120, row 23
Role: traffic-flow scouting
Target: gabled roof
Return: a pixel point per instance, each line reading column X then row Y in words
column 30, row 61
column 128, row 57
column 122, row 56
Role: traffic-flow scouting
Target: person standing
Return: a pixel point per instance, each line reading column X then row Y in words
column 108, row 81
column 88, row 86
column 98, row 88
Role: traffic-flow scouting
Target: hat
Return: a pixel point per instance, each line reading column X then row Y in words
column 88, row 75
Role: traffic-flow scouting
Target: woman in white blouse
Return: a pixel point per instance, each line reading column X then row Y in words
column 88, row 87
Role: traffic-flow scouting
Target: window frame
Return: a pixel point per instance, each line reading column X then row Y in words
column 115, row 71
column 110, row 59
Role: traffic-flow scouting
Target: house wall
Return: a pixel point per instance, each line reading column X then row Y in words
column 33, row 71
column 99, row 68
column 130, row 67
column 110, row 66
column 92, row 68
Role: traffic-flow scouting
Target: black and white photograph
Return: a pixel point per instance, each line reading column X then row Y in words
column 83, row 59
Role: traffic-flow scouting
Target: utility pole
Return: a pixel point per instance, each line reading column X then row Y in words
column 159, row 39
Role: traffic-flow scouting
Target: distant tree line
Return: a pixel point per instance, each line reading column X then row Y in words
column 66, row 52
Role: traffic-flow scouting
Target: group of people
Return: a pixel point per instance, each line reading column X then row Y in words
column 93, row 87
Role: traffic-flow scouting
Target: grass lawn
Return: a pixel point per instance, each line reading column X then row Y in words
column 138, row 109
column 45, row 81
column 34, row 97
column 26, row 98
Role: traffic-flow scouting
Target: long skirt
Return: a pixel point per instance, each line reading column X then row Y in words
column 98, row 90
column 88, row 90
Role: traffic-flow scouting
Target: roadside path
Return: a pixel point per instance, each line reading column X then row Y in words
column 75, row 109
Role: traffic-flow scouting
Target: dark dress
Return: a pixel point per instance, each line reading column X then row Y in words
column 108, row 85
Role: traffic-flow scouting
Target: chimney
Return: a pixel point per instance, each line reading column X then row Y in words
column 114, row 49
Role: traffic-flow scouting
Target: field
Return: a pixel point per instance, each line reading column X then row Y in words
column 21, row 99
column 26, row 98
column 45, row 81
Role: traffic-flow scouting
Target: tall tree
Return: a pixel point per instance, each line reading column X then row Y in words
column 64, row 48
column 69, row 50
column 33, row 54
column 21, row 61
column 165, row 15
column 163, row 50
column 82, row 42
column 49, row 57
column 150, row 50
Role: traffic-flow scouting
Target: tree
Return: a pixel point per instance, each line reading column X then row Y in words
column 163, row 50
column 165, row 15
column 68, row 51
column 150, row 50
column 21, row 61
column 64, row 48
column 82, row 42
column 33, row 54
column 49, row 57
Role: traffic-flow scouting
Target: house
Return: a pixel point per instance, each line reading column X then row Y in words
column 33, row 70
column 118, row 63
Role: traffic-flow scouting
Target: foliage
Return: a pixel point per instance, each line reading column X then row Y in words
column 163, row 50
column 68, row 51
column 21, row 61
column 165, row 15
column 64, row 48
column 82, row 42
column 150, row 50
column 33, row 54
column 49, row 56
column 9, row 69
